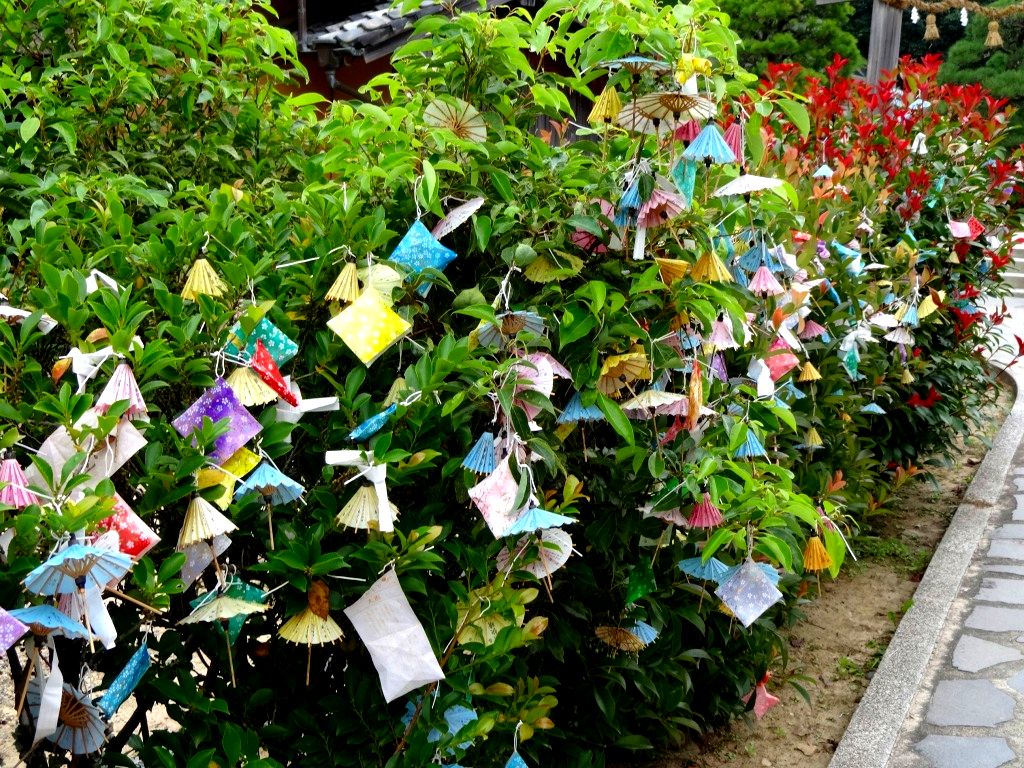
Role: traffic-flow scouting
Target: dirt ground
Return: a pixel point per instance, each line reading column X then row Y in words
column 847, row 629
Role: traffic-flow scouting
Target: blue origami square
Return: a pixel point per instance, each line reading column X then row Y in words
column 420, row 250
column 280, row 347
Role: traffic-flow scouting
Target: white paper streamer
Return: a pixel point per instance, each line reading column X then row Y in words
column 49, row 703
column 375, row 473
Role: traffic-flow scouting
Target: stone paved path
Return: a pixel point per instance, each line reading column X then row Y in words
column 969, row 711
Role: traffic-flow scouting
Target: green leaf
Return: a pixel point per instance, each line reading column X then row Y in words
column 616, row 417
column 797, row 114
column 29, row 127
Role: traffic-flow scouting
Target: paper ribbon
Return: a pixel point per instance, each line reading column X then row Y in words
column 375, row 473
column 49, row 702
column 292, row 413
column 85, row 364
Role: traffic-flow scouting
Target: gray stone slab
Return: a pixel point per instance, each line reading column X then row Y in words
column 969, row 702
column 1007, row 550
column 1017, row 570
column 972, row 654
column 1017, row 682
column 993, row 619
column 1009, row 531
column 965, row 751
column 995, row 590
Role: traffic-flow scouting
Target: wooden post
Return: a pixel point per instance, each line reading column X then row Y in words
column 884, row 45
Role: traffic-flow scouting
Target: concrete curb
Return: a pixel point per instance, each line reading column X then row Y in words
column 872, row 733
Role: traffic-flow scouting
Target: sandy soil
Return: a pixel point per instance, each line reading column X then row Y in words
column 846, row 631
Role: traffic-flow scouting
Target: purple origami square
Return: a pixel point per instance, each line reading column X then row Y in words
column 11, row 630
column 218, row 403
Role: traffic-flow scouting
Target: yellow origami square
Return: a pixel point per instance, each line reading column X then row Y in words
column 238, row 465
column 368, row 326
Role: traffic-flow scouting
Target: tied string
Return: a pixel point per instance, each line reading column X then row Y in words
column 505, row 289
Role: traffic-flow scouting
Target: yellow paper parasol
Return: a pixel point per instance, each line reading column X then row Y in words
column 202, row 279
column 222, row 608
column 312, row 625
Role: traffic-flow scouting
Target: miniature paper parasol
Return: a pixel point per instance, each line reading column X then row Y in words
column 398, row 646
column 122, row 386
column 575, row 411
column 710, row 147
column 346, row 286
column 456, row 217
column 376, row 474
column 482, row 457
column 535, row 519
column 45, row 620
column 263, row 364
column 368, row 326
column 644, row 631
column 363, row 510
column 220, row 607
column 712, row 570
column 509, row 324
column 659, row 209
column 747, row 184
column 312, row 625
column 554, row 546
column 672, row 269
column 733, row 136
column 135, row 538
column 873, row 408
column 606, row 108
column 278, row 344
column 217, row 403
column 633, row 118
column 80, row 728
column 203, row 523
column 672, row 107
column 495, row 497
column 705, row 514
column 419, row 250
column 652, row 402
column 780, row 360
column 274, row 486
column 823, row 172
column 202, row 280
column 763, row 283
column 808, row 373
column 710, row 269
column 457, row 116
column 125, row 682
column 721, row 335
column 620, row 639
column 15, row 491
column 619, row 370
column 249, row 388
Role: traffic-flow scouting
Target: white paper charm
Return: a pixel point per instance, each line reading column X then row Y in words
column 393, row 635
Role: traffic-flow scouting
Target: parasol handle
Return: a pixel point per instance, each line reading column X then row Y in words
column 122, row 596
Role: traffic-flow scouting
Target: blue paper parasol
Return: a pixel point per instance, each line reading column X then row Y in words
column 77, row 567
column 710, row 146
column 46, row 620
column 751, row 448
column 712, row 570
column 274, row 486
column 482, row 457
column 535, row 519
column 645, row 632
column 575, row 411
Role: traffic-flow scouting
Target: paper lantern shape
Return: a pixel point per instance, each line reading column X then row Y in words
column 11, row 630
column 458, row 116
column 535, row 519
column 394, row 637
column 368, row 326
column 203, row 522
column 816, row 557
column 705, row 514
column 45, row 620
column 606, row 108
column 249, row 388
column 312, row 625
column 263, row 363
column 75, row 568
column 495, row 497
column 135, row 537
column 345, row 287
column 482, row 458
column 659, row 209
column 710, row 269
column 748, row 593
column 202, row 280
column 15, row 492
column 127, row 680
column 278, row 344
column 217, row 403
column 122, row 386
column 712, row 570
column 620, row 639
column 419, row 250
column 751, row 447
column 372, row 425
column 554, row 546
column 747, row 184
column 710, row 147
column 456, row 217
column 575, row 411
